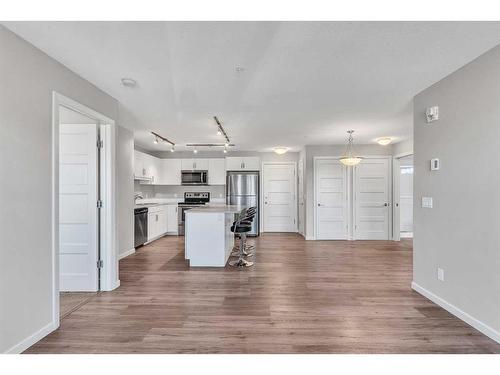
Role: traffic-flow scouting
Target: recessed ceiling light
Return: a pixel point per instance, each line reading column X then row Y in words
column 280, row 150
column 195, row 151
column 129, row 82
column 384, row 141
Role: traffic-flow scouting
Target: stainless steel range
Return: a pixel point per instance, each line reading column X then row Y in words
column 191, row 200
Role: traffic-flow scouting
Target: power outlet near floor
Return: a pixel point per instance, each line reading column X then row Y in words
column 440, row 274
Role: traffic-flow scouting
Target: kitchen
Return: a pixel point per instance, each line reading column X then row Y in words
column 166, row 188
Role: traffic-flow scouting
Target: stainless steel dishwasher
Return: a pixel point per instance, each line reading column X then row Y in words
column 141, row 226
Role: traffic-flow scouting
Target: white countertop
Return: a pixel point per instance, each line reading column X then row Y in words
column 152, row 202
column 216, row 208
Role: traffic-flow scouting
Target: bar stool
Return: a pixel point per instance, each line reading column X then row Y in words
column 245, row 218
column 242, row 226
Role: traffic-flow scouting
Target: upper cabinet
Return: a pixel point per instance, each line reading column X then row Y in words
column 170, row 172
column 146, row 166
column 250, row 163
column 194, row 164
column 217, row 171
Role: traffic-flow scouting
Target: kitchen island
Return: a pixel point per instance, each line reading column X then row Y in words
column 208, row 237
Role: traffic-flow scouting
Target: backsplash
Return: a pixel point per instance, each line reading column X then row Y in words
column 171, row 191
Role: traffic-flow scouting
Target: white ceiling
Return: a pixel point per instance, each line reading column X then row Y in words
column 303, row 82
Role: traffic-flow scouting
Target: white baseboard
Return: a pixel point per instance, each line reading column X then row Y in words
column 33, row 339
column 477, row 324
column 126, row 253
column 406, row 235
column 310, row 238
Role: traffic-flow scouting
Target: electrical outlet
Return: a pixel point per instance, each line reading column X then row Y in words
column 427, row 202
column 440, row 274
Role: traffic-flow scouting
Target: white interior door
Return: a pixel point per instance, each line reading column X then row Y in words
column 300, row 196
column 78, row 193
column 280, row 205
column 331, row 200
column 406, row 199
column 372, row 199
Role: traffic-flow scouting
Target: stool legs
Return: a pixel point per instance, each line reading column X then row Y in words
column 241, row 262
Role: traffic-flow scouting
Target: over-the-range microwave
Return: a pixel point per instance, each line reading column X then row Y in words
column 194, row 177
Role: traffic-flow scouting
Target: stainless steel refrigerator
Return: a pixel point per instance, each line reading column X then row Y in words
column 242, row 188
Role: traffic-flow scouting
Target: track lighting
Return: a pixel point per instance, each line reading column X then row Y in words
column 172, row 148
column 163, row 139
column 225, row 149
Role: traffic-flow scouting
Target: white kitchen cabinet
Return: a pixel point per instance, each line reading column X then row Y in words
column 157, row 222
column 170, row 172
column 217, row 171
column 194, row 164
column 139, row 170
column 172, row 224
column 248, row 163
column 146, row 166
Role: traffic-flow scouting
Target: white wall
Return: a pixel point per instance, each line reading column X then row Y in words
column 28, row 77
column 125, row 189
column 461, row 233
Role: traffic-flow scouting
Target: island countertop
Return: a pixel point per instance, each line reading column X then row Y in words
column 222, row 209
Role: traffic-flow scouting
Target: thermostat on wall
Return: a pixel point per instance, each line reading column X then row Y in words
column 434, row 164
column 432, row 114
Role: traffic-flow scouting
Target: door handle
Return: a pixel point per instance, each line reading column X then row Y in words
column 319, row 204
column 386, row 204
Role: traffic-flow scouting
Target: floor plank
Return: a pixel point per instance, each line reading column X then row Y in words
column 300, row 297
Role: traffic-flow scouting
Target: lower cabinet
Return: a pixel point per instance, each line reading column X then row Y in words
column 161, row 220
column 172, row 226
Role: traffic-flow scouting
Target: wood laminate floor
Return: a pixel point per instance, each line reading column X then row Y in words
column 300, row 297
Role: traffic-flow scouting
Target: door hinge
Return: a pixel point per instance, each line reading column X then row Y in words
column 100, row 264
column 100, row 143
column 99, row 203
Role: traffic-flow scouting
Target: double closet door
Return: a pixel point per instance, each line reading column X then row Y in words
column 352, row 202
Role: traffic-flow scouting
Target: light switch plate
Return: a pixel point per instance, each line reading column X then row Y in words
column 440, row 274
column 435, row 164
column 427, row 202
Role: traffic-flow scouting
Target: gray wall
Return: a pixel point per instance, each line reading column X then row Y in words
column 333, row 150
column 28, row 77
column 124, row 189
column 461, row 233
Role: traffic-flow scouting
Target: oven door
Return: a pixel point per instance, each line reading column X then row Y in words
column 194, row 177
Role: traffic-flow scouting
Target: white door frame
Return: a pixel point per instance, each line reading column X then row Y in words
column 261, row 214
column 108, row 254
column 348, row 185
column 395, row 188
column 389, row 189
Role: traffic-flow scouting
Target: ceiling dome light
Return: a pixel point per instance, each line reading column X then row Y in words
column 129, row 82
column 349, row 159
column 384, row 141
column 280, row 150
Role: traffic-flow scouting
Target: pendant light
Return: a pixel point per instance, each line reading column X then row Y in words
column 349, row 159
